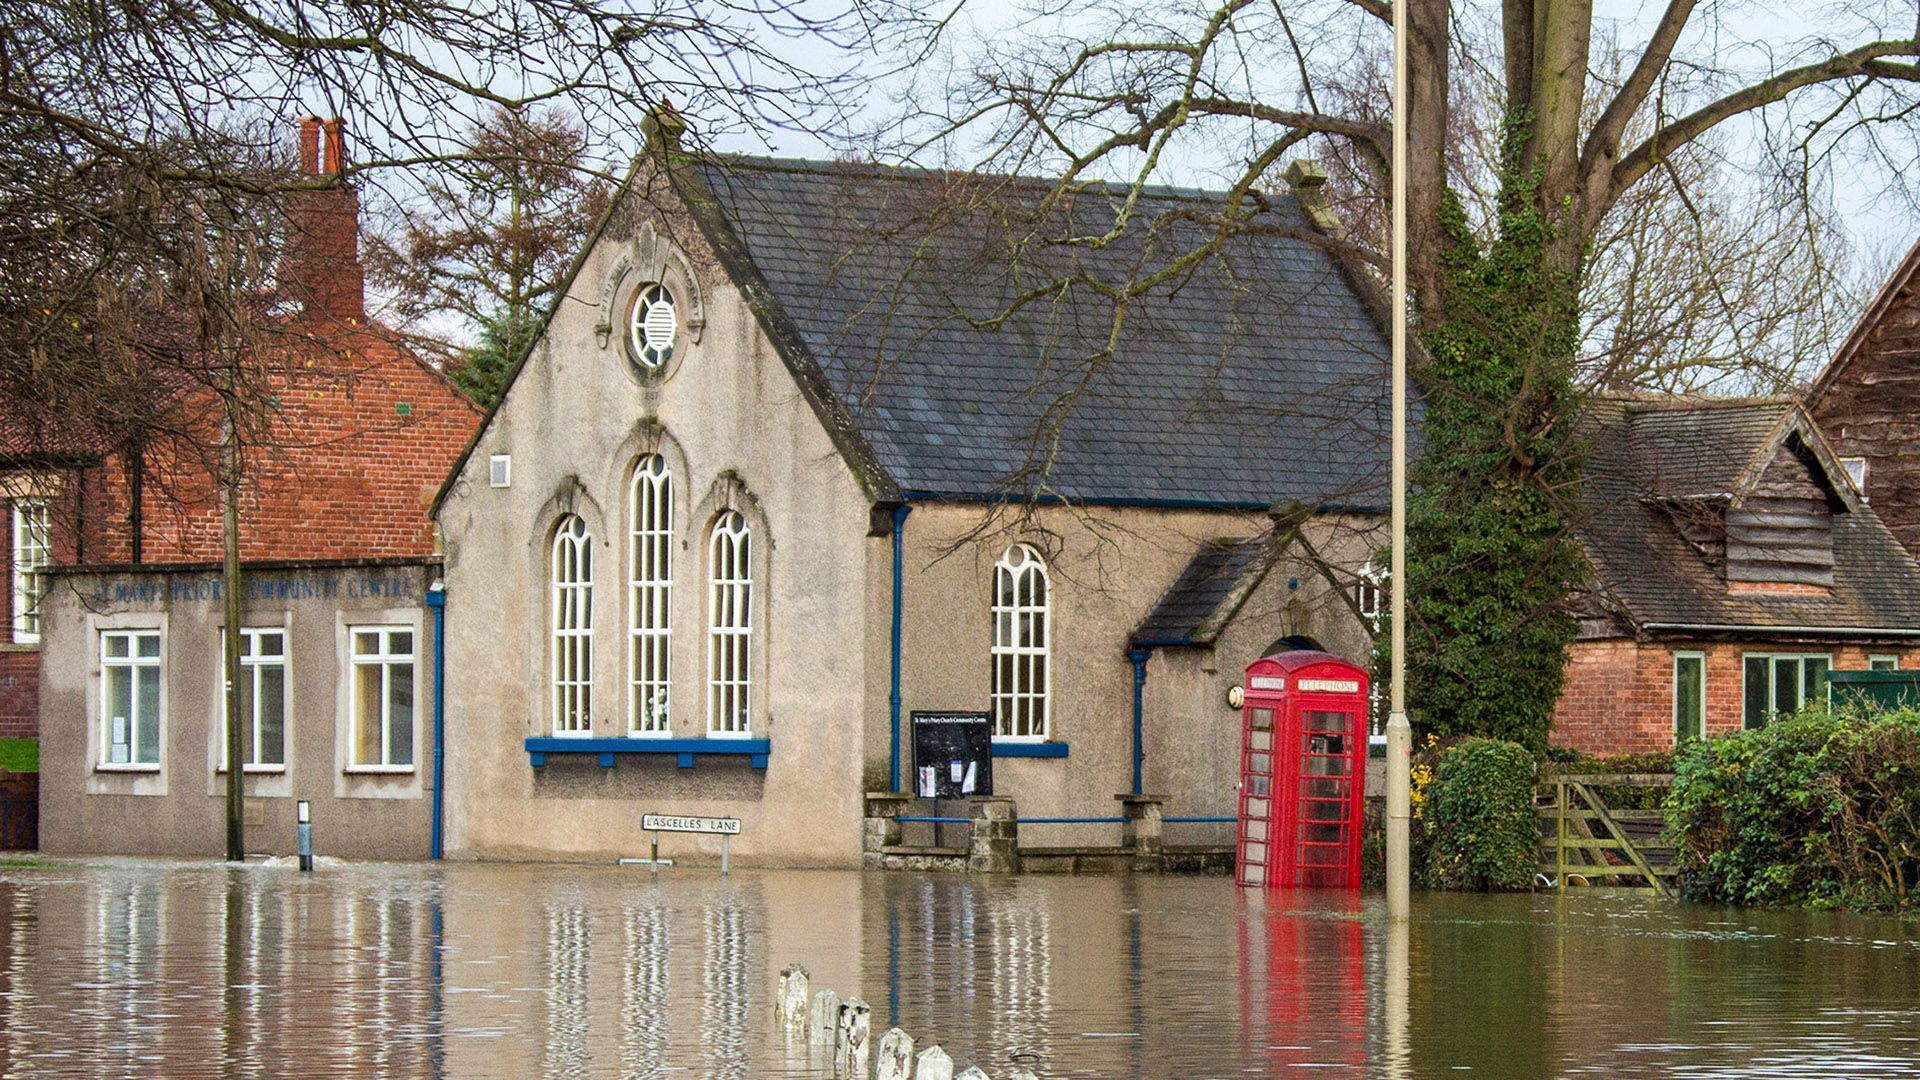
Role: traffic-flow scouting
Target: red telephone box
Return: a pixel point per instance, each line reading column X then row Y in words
column 1303, row 758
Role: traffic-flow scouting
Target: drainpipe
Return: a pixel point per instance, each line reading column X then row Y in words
column 437, row 600
column 893, row 700
column 1139, row 658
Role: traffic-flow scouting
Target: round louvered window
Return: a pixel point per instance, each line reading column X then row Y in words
column 653, row 326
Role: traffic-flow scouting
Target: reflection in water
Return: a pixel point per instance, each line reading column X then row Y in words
column 643, row 1005
column 149, row 969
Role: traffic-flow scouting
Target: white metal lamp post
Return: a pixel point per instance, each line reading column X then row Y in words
column 1399, row 732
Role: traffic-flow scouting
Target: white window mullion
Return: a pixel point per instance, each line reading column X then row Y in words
column 730, row 628
column 1021, row 644
column 572, row 652
column 650, row 635
column 31, row 526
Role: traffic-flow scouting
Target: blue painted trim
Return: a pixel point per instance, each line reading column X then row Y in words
column 1220, row 819
column 935, row 820
column 1029, row 749
column 1139, row 657
column 1161, row 642
column 685, row 750
column 1073, row 821
column 893, row 698
column 437, row 600
column 1150, row 504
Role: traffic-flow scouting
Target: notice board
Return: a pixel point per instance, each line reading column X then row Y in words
column 952, row 755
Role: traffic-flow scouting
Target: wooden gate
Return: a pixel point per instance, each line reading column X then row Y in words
column 1586, row 841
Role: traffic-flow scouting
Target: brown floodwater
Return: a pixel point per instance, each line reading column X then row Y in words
column 151, row 969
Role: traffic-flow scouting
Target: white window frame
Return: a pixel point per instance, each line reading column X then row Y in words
column 654, row 311
column 386, row 659
column 32, row 554
column 1747, row 722
column 1678, row 656
column 730, row 627
column 650, row 600
column 252, row 661
column 571, row 622
column 1021, row 667
column 1883, row 662
column 134, row 664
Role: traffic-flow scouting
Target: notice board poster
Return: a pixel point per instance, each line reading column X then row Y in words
column 952, row 754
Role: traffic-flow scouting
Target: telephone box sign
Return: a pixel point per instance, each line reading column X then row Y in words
column 670, row 823
column 1302, row 772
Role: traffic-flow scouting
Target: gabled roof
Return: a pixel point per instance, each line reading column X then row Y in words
column 1254, row 378
column 1208, row 592
column 1649, row 456
column 1899, row 284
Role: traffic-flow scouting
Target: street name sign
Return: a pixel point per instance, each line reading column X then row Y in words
column 724, row 826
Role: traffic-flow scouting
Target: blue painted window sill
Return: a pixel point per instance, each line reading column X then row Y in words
column 1029, row 749
column 684, row 749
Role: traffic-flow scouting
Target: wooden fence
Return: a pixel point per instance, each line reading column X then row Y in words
column 1589, row 840
column 844, row 1029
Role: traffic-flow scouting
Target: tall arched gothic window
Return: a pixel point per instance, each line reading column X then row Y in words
column 1020, row 641
column 572, row 628
column 650, row 603
column 729, row 626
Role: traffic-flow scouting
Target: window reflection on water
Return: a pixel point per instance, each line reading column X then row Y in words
column 149, row 969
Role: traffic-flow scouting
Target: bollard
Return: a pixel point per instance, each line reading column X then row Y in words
column 974, row 1072
column 823, row 1018
column 303, row 830
column 790, row 1001
column 851, row 1051
column 896, row 1056
column 933, row 1064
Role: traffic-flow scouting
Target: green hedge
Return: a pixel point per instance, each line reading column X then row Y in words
column 20, row 755
column 1817, row 810
column 1479, row 818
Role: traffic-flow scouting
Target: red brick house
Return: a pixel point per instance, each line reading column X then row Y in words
column 1734, row 564
column 116, row 564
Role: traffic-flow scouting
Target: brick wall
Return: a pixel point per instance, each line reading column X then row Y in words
column 1619, row 693
column 19, row 693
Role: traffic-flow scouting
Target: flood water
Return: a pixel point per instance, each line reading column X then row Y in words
column 134, row 968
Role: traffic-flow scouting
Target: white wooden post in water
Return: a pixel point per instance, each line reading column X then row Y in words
column 790, row 1001
column 823, row 1019
column 933, row 1064
column 896, row 1056
column 851, row 1050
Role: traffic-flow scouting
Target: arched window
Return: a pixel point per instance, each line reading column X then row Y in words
column 1020, row 640
column 729, row 626
column 572, row 628
column 650, row 603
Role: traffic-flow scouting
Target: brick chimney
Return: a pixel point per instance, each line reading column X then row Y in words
column 323, row 252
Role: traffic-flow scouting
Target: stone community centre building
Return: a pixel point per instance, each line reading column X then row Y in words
column 804, row 449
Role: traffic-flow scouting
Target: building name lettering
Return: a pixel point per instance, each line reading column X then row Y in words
column 210, row 589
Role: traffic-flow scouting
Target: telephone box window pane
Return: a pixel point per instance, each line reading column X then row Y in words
column 1256, row 874
column 1325, row 789
column 1257, row 808
column 1262, row 718
column 1256, row 829
column 1261, row 740
column 1257, row 852
column 1329, row 721
column 1259, row 785
column 1325, row 810
column 1260, row 763
column 1325, row 834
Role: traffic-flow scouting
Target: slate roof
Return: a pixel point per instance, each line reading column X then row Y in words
column 1208, row 591
column 1644, row 452
column 1259, row 377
